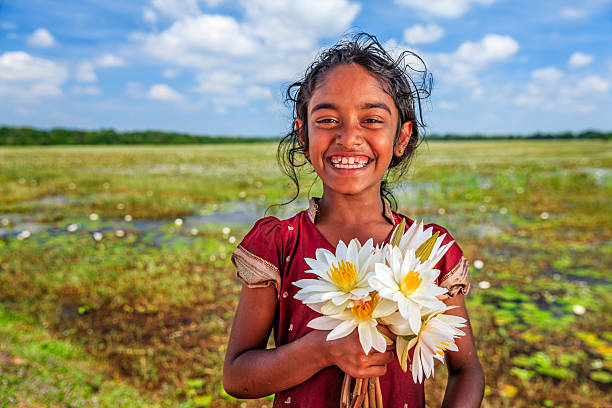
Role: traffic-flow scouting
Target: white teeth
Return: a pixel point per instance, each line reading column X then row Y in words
column 349, row 162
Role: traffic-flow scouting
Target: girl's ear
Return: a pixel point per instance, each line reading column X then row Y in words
column 299, row 128
column 404, row 138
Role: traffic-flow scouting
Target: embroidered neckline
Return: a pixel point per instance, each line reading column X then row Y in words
column 313, row 208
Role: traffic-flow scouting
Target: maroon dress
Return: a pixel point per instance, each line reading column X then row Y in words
column 272, row 254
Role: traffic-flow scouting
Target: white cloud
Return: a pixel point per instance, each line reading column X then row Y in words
column 149, row 15
column 462, row 66
column 220, row 82
column 162, row 92
column 41, row 38
column 177, row 8
column 198, row 41
column 86, row 90
column 85, row 72
column 579, row 59
column 592, row 83
column 26, row 78
column 547, row 91
column 419, row 34
column 549, row 74
column 491, row 48
column 257, row 92
column 443, row 8
column 109, row 60
column 171, row 73
column 572, row 13
column 270, row 41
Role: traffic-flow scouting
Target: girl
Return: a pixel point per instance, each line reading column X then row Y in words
column 354, row 119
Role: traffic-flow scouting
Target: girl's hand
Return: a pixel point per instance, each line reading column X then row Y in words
column 348, row 355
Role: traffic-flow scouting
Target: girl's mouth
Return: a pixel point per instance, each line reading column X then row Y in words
column 349, row 162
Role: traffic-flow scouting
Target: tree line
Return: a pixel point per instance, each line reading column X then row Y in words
column 23, row 136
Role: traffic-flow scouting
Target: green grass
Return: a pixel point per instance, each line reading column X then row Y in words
column 150, row 310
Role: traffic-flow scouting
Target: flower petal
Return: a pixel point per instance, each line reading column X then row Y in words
column 365, row 336
column 343, row 329
column 323, row 323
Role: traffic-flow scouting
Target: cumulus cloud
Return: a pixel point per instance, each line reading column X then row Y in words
column 443, row 8
column 109, row 60
column 41, row 38
column 462, row 66
column 171, row 73
column 149, row 15
column 85, row 72
column 162, row 92
column 419, row 34
column 271, row 41
column 549, row 74
column 572, row 13
column 27, row 79
column 579, row 59
column 547, row 91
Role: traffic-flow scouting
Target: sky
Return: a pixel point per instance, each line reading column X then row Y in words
column 220, row 67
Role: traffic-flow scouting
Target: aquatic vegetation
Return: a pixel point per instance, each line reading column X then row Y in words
column 152, row 300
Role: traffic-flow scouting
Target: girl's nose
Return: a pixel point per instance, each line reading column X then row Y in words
column 349, row 136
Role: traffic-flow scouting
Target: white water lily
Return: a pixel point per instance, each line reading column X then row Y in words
column 426, row 244
column 342, row 277
column 362, row 315
column 437, row 334
column 409, row 283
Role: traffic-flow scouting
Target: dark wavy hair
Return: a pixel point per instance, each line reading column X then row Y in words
column 406, row 83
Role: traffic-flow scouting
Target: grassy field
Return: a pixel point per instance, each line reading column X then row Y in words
column 116, row 287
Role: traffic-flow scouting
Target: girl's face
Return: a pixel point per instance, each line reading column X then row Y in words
column 352, row 124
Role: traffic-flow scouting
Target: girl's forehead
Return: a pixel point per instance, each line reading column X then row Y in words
column 350, row 81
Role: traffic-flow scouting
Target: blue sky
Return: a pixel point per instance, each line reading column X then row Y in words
column 220, row 66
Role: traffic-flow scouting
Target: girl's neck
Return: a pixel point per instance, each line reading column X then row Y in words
column 345, row 210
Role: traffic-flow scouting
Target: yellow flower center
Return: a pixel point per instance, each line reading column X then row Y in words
column 363, row 309
column 441, row 347
column 410, row 283
column 344, row 275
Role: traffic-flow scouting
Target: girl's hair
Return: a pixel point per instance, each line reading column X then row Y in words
column 406, row 83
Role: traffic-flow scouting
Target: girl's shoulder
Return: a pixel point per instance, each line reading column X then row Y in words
column 454, row 267
column 261, row 255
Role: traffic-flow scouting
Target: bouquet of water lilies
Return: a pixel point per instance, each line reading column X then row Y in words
column 360, row 287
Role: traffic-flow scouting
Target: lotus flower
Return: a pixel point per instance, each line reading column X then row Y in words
column 437, row 334
column 362, row 315
column 342, row 278
column 409, row 283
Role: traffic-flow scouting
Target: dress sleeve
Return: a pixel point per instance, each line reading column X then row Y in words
column 454, row 268
column 258, row 257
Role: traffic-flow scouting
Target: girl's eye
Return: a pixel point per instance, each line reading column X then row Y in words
column 326, row 121
column 373, row 122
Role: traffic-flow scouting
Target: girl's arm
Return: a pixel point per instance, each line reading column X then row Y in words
column 252, row 371
column 465, row 386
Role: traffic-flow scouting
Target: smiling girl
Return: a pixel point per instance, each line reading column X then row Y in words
column 354, row 120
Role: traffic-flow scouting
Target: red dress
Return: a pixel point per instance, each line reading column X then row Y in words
column 273, row 253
